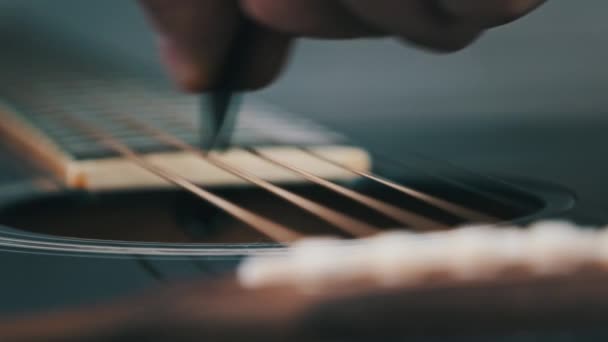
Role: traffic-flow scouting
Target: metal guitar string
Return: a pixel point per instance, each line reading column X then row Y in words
column 400, row 258
column 347, row 223
column 344, row 222
column 265, row 226
column 404, row 217
column 454, row 181
column 442, row 204
column 354, row 227
column 275, row 231
column 407, row 218
column 350, row 225
column 448, row 206
column 77, row 77
column 387, row 209
column 81, row 246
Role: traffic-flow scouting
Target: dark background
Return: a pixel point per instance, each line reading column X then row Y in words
column 526, row 99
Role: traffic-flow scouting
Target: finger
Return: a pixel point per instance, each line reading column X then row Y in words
column 488, row 13
column 416, row 21
column 266, row 60
column 194, row 36
column 312, row 18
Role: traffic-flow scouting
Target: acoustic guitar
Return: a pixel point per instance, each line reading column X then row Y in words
column 294, row 233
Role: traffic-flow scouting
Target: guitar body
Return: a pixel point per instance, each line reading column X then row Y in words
column 69, row 246
column 73, row 239
column 65, row 248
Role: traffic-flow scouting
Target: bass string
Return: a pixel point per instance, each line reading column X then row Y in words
column 340, row 220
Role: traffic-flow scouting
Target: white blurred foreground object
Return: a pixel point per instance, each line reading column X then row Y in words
column 405, row 258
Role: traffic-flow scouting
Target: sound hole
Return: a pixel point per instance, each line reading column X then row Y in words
column 171, row 216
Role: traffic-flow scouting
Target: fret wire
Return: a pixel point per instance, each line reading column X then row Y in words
column 265, row 226
column 345, row 222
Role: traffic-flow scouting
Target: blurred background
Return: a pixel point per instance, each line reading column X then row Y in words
column 527, row 99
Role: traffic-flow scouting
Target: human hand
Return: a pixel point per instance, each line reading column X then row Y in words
column 194, row 35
